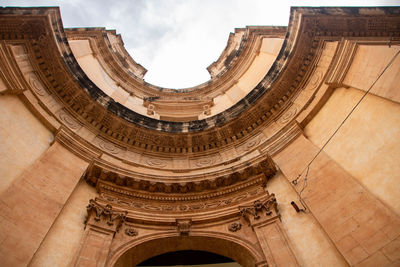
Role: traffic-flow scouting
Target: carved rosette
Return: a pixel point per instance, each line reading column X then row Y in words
column 104, row 216
column 261, row 211
column 130, row 231
column 235, row 226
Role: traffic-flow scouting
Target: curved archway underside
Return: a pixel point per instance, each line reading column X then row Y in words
column 157, row 247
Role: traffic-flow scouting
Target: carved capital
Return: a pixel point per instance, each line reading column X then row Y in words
column 261, row 211
column 104, row 216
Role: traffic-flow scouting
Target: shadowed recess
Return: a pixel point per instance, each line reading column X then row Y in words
column 185, row 257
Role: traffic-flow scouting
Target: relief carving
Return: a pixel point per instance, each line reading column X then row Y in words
column 257, row 173
column 204, row 162
column 68, row 120
column 154, row 162
column 177, row 208
column 250, row 144
column 130, row 231
column 108, row 147
column 316, row 79
column 288, row 115
column 36, row 85
column 234, row 227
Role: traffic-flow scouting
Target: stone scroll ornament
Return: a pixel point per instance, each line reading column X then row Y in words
column 104, row 214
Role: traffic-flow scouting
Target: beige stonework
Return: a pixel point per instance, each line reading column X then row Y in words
column 271, row 163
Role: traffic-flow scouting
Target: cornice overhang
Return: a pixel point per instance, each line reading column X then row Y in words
column 234, row 178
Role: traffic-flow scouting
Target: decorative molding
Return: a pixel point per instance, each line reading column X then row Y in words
column 155, row 162
column 178, row 204
column 9, row 71
column 66, row 137
column 108, row 146
column 282, row 138
column 204, row 162
column 341, row 63
column 69, row 121
column 288, row 115
column 263, row 170
column 35, row 84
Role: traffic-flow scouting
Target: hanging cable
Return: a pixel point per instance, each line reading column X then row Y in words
column 295, row 181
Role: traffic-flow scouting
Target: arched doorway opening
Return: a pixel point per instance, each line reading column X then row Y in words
column 189, row 258
column 239, row 252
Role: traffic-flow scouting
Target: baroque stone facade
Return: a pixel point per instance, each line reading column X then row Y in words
column 100, row 168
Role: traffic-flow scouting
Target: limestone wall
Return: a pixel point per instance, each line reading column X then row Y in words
column 368, row 63
column 310, row 243
column 64, row 238
column 367, row 145
column 352, row 187
column 23, row 136
column 31, row 204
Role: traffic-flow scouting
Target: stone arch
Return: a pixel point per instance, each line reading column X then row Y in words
column 229, row 246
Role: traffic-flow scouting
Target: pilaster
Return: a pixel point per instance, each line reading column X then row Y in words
column 29, row 206
column 101, row 225
column 263, row 216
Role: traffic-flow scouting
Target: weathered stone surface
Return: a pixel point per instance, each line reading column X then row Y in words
column 194, row 168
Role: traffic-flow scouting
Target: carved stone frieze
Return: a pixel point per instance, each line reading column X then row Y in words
column 265, row 168
column 178, row 204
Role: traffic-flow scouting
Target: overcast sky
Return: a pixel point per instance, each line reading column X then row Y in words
column 176, row 40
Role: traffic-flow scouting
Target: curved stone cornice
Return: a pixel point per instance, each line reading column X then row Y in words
column 234, row 179
column 276, row 100
column 116, row 66
column 193, row 102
